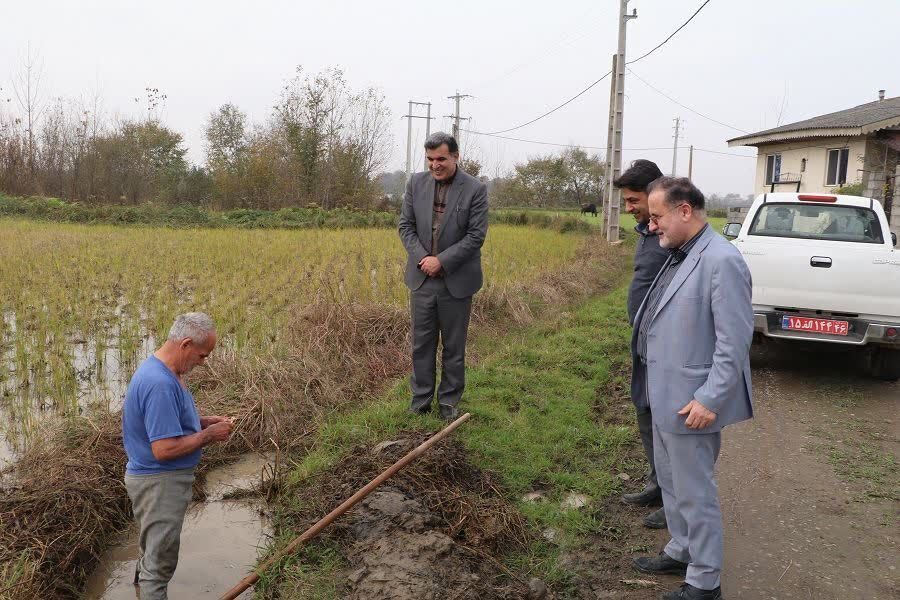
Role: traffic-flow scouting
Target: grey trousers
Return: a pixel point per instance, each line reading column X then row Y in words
column 645, row 426
column 685, row 465
column 644, row 416
column 160, row 502
column 434, row 311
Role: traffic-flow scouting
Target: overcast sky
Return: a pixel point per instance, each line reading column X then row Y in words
column 738, row 62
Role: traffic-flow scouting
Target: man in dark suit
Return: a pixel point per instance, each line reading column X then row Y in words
column 648, row 259
column 692, row 338
column 443, row 223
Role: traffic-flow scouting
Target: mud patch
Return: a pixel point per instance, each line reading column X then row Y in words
column 400, row 552
column 434, row 531
column 601, row 566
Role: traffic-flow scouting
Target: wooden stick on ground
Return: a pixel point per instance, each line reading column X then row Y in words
column 328, row 519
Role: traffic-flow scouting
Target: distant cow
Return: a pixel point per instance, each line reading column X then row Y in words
column 589, row 208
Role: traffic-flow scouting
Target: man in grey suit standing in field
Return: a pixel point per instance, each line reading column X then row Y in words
column 648, row 259
column 443, row 223
column 692, row 334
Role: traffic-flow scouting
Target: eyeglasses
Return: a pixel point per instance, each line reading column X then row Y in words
column 655, row 219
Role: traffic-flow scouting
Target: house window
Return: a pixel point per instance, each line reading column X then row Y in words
column 773, row 168
column 836, row 173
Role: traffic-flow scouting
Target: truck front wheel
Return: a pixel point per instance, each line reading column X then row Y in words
column 884, row 363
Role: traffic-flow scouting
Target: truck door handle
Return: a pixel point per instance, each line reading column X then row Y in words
column 820, row 261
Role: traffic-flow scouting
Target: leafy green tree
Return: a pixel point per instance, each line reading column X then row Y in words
column 140, row 161
column 585, row 177
column 226, row 139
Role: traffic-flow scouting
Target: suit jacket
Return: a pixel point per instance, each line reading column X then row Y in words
column 698, row 342
column 460, row 237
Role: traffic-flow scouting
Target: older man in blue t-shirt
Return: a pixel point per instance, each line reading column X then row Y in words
column 163, row 435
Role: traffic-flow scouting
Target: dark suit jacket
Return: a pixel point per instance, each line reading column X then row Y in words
column 461, row 235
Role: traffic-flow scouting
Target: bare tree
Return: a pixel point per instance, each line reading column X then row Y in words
column 372, row 130
column 28, row 92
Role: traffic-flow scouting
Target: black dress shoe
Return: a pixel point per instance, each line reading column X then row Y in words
column 651, row 495
column 660, row 565
column 449, row 413
column 689, row 592
column 656, row 519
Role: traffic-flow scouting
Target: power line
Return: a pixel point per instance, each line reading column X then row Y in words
column 684, row 106
column 725, row 153
column 663, row 43
column 584, row 147
column 585, row 90
column 549, row 112
column 542, row 143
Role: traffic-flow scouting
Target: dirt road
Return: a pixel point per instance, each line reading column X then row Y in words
column 809, row 491
column 810, row 486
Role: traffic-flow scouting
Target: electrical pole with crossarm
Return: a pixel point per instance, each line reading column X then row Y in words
column 455, row 116
column 410, row 116
column 616, row 122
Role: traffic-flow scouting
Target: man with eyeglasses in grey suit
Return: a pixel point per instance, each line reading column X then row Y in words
column 692, row 337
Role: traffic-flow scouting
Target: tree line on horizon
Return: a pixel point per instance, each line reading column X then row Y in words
column 323, row 144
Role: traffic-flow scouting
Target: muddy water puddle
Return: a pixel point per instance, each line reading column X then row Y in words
column 219, row 542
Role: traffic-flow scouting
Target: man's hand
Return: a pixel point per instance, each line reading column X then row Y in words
column 430, row 265
column 220, row 431
column 171, row 448
column 207, row 421
column 698, row 416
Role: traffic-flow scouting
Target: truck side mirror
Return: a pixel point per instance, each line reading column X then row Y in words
column 731, row 230
column 894, row 238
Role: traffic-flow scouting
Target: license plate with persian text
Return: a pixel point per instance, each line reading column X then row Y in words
column 815, row 325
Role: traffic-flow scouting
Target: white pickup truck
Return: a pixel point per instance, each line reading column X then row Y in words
column 825, row 269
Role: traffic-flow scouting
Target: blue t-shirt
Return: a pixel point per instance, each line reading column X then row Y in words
column 156, row 406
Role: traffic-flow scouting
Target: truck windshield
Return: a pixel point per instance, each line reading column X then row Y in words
column 818, row 222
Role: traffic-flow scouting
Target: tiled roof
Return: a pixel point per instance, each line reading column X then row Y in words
column 859, row 120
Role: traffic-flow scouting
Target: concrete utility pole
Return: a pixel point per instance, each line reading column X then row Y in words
column 675, row 147
column 691, row 162
column 455, row 116
column 616, row 118
column 610, row 147
column 410, row 116
column 427, row 129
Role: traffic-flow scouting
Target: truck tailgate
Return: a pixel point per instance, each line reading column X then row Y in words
column 843, row 277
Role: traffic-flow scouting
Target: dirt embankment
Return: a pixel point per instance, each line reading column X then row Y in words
column 430, row 533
